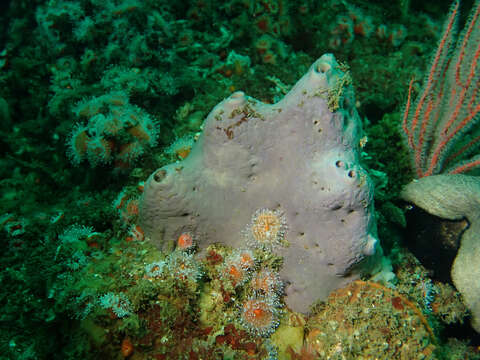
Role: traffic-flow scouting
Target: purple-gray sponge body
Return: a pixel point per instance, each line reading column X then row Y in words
column 299, row 157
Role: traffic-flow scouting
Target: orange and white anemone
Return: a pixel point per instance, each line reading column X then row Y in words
column 266, row 230
column 260, row 316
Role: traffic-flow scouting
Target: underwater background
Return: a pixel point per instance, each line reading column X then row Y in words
column 95, row 95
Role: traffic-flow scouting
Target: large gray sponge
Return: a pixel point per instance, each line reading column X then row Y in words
column 299, row 159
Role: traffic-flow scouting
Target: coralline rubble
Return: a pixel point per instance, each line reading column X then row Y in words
column 295, row 163
column 366, row 319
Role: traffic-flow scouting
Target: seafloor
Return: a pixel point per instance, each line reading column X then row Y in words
column 97, row 94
